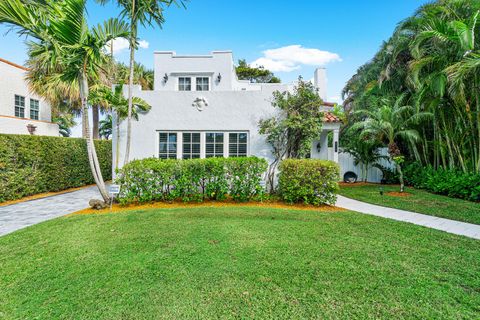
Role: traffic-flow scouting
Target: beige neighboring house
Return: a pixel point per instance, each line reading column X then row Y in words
column 21, row 111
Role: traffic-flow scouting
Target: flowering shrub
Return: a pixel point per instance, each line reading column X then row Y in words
column 452, row 183
column 154, row 179
column 308, row 181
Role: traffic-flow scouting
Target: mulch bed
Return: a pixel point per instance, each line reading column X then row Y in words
column 399, row 194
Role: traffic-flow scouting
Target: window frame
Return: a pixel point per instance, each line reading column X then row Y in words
column 207, row 84
column 19, row 110
column 185, row 86
column 191, row 143
column 34, row 113
column 215, row 153
column 169, row 154
column 238, row 144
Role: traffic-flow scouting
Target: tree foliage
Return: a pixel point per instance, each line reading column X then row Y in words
column 254, row 75
column 431, row 63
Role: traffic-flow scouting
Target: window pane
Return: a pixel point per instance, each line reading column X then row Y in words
column 242, row 137
column 219, row 148
column 186, row 148
column 196, row 137
column 233, row 137
column 210, row 137
column 172, row 137
column 242, row 149
column 187, row 137
column 219, row 137
column 196, row 148
column 163, row 137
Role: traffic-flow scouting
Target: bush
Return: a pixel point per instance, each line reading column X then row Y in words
column 35, row 164
column 308, row 181
column 154, row 179
column 452, row 183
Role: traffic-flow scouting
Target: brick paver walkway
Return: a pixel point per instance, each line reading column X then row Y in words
column 24, row 214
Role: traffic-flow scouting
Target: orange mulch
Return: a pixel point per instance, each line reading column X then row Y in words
column 399, row 194
column 42, row 195
column 209, row 204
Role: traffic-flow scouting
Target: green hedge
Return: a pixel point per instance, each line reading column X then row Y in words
column 191, row 180
column 308, row 181
column 35, row 164
column 452, row 183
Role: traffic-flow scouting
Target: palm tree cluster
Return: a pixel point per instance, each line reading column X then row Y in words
column 420, row 94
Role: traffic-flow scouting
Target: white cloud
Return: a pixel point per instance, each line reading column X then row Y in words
column 289, row 58
column 121, row 44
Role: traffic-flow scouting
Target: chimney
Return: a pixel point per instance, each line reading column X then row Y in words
column 320, row 81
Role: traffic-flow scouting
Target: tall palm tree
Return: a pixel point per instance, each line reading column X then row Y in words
column 116, row 102
column 145, row 13
column 389, row 124
column 60, row 35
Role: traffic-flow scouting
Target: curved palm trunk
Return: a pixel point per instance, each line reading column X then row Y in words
column 92, row 153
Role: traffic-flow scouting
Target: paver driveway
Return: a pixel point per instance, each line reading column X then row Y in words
column 24, row 214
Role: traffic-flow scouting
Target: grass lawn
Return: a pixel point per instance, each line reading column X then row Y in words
column 236, row 262
column 419, row 201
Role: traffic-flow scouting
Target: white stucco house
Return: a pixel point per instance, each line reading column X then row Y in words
column 200, row 109
column 22, row 112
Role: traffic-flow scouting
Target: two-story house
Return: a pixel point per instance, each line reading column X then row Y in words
column 21, row 111
column 200, row 109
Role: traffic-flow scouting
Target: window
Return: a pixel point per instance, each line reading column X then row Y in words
column 202, row 84
column 184, row 84
column 191, row 145
column 19, row 106
column 167, row 145
column 213, row 144
column 34, row 108
column 237, row 144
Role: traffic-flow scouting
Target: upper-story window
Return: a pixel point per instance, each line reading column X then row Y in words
column 184, row 84
column 203, row 84
column 19, row 106
column 34, row 109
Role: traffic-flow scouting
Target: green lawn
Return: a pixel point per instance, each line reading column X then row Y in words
column 420, row 201
column 240, row 262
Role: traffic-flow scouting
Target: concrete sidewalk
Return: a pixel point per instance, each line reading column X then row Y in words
column 456, row 227
column 20, row 215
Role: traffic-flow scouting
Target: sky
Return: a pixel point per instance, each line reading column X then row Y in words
column 291, row 38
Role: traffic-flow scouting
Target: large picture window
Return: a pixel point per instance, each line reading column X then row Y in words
column 191, row 145
column 184, row 84
column 19, row 106
column 34, row 109
column 213, row 144
column 167, row 145
column 237, row 144
column 202, row 84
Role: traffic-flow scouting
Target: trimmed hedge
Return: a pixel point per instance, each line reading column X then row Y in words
column 309, row 181
column 154, row 179
column 452, row 183
column 35, row 164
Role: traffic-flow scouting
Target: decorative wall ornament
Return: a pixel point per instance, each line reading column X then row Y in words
column 200, row 103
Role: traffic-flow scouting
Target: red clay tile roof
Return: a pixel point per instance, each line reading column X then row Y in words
column 330, row 117
column 13, row 64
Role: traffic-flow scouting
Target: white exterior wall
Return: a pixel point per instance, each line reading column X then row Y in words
column 12, row 83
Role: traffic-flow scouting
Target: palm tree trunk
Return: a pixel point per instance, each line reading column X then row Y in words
column 133, row 39
column 117, row 143
column 95, row 119
column 400, row 177
column 92, row 153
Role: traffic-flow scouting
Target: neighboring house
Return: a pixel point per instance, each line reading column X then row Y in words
column 22, row 112
column 200, row 109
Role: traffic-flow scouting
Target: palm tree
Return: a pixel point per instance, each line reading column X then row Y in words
column 117, row 103
column 60, row 36
column 389, row 124
column 106, row 127
column 146, row 13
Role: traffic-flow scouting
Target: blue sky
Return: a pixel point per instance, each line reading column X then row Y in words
column 345, row 33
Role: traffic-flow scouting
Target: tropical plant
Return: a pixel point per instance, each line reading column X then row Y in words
column 65, row 121
column 433, row 61
column 60, row 36
column 118, row 104
column 387, row 124
column 106, row 127
column 145, row 13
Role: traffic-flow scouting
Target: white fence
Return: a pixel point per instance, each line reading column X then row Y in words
column 346, row 162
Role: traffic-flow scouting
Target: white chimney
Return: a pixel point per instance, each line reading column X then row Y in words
column 320, row 81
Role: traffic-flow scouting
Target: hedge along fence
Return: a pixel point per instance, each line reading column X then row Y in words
column 308, row 181
column 35, row 164
column 191, row 180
